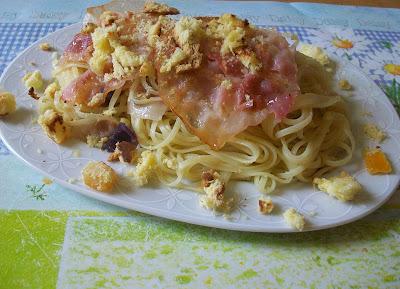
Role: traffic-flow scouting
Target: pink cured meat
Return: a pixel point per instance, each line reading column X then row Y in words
column 212, row 111
column 86, row 86
column 79, row 49
column 215, row 113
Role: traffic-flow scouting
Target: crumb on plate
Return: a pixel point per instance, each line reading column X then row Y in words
column 76, row 153
column 343, row 187
column 45, row 46
column 265, row 205
column 88, row 28
column 7, row 103
column 159, row 8
column 95, row 141
column 53, row 125
column 344, row 84
column 33, row 79
column 124, row 152
column 314, row 52
column 145, row 168
column 47, row 181
column 72, row 180
column 374, row 132
column 214, row 188
column 294, row 219
column 376, row 162
column 99, row 176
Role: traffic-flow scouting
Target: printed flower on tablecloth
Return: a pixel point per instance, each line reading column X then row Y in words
column 385, row 66
column 341, row 41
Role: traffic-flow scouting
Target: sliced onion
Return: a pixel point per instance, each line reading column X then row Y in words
column 152, row 110
column 101, row 127
column 315, row 100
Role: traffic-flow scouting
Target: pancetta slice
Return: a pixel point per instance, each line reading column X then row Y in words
column 89, row 89
column 236, row 85
column 218, row 75
column 78, row 50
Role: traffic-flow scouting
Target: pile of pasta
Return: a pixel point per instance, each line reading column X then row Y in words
column 313, row 138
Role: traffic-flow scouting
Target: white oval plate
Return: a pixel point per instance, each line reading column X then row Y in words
column 25, row 139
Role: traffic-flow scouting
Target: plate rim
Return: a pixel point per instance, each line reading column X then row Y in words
column 170, row 215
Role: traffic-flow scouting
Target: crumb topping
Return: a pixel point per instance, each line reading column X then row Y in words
column 53, row 125
column 45, row 46
column 99, row 176
column 159, row 8
column 95, row 141
column 294, row 219
column 33, row 79
column 145, row 168
column 376, row 162
column 124, row 152
column 214, row 189
column 343, row 187
column 47, row 181
column 265, row 205
column 314, row 52
column 7, row 103
column 374, row 132
column 344, row 84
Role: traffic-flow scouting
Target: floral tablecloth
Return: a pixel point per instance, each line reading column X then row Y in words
column 51, row 237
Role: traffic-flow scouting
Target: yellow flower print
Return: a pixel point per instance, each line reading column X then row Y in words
column 392, row 68
column 385, row 66
column 342, row 43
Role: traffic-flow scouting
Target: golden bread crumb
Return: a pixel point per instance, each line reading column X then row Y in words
column 265, row 205
column 374, row 132
column 176, row 58
column 47, row 181
column 33, row 79
column 99, row 176
column 159, row 8
column 53, row 125
column 7, row 103
column 294, row 219
column 102, row 50
column 88, row 28
column 76, row 153
column 314, row 52
column 343, row 187
column 376, row 162
column 249, row 59
column 125, row 152
column 94, row 141
column 345, row 85
column 145, row 168
column 45, row 46
column 233, row 40
column 214, row 188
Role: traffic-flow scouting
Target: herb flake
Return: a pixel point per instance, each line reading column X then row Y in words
column 393, row 93
column 37, row 192
column 387, row 44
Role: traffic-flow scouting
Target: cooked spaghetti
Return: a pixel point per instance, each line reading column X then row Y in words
column 273, row 121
